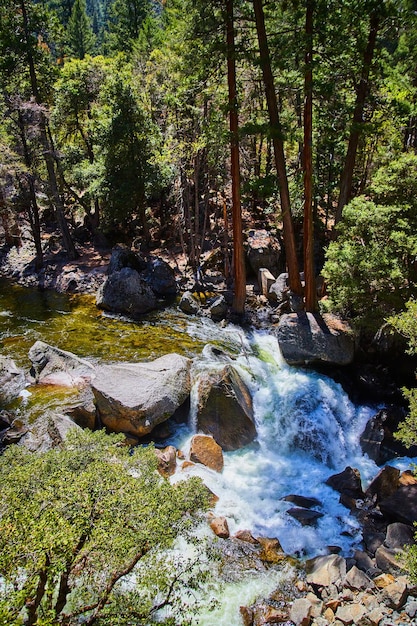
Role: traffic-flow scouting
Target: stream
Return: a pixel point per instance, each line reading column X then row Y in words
column 307, row 427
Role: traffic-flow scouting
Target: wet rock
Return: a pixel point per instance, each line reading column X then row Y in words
column 306, row 338
column 189, row 303
column 300, row 612
column 347, row 482
column 384, row 484
column 302, row 501
column 401, row 506
column 135, row 397
column 306, row 517
column 167, row 460
column 225, row 409
column 126, row 292
column 326, row 570
column 399, row 535
column 263, row 250
column 218, row 309
column 220, row 527
column 52, row 366
column 12, row 379
column 272, row 551
column 206, row 451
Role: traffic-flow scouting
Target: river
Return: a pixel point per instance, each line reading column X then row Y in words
column 307, row 427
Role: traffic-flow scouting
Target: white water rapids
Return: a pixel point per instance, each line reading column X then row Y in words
column 307, row 430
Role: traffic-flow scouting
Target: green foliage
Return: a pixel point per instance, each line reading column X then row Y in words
column 370, row 268
column 80, row 34
column 75, row 521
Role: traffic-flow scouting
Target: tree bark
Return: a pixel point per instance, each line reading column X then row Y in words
column 278, row 145
column 238, row 257
column 362, row 90
column 309, row 273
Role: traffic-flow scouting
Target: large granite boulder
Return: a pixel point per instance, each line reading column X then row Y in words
column 225, row 409
column 263, row 250
column 205, row 450
column 52, row 366
column 122, row 256
column 127, row 292
column 306, row 338
column 160, row 277
column 12, row 379
column 135, row 397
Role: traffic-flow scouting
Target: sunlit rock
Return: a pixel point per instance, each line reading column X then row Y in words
column 225, row 409
column 12, row 379
column 220, row 527
column 310, row 338
column 52, row 366
column 326, row 570
column 206, row 451
column 167, row 460
column 135, row 397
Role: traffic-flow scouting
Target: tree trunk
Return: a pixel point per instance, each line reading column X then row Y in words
column 309, row 273
column 278, row 145
column 362, row 90
column 238, row 257
column 47, row 151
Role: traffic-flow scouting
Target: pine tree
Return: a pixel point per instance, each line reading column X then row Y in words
column 80, row 34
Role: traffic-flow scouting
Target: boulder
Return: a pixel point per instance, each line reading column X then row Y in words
column 126, row 292
column 324, row 571
column 272, row 551
column 347, row 482
column 263, row 250
column 52, row 366
column 225, row 409
column 401, row 506
column 135, row 397
column 278, row 290
column 218, row 309
column 398, row 536
column 300, row 612
column 306, row 338
column 388, row 560
column 189, row 303
column 167, row 460
column 384, row 484
column 12, row 379
column 122, row 256
column 303, row 501
column 265, row 280
column 47, row 432
column 351, row 613
column 378, row 440
column 160, row 277
column 206, row 451
column 357, row 580
column 306, row 517
column 220, row 527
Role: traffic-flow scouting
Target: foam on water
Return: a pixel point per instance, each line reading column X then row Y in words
column 307, row 430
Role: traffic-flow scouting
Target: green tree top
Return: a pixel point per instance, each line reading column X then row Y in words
column 80, row 34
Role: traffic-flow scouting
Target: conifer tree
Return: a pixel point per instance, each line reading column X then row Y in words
column 81, row 38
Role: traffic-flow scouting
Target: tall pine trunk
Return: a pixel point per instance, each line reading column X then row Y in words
column 238, row 256
column 309, row 273
column 362, row 90
column 278, row 145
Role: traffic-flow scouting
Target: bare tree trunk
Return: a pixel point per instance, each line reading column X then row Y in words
column 310, row 281
column 278, row 145
column 362, row 90
column 238, row 257
column 47, row 151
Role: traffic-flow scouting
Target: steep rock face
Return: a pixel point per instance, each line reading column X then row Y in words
column 135, row 397
column 310, row 338
column 127, row 292
column 225, row 409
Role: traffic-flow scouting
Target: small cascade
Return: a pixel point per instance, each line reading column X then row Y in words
column 307, row 429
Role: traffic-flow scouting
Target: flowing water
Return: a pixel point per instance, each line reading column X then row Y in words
column 307, row 427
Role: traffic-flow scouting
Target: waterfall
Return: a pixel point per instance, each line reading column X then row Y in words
column 307, row 429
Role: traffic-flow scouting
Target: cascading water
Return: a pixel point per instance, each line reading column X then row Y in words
column 307, row 429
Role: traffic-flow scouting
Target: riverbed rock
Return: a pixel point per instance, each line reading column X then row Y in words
column 12, row 379
column 220, row 527
column 323, row 571
column 126, row 292
column 263, row 250
column 399, row 535
column 189, row 303
column 307, row 338
column 378, row 440
column 53, row 366
column 347, row 482
column 306, row 517
column 160, row 277
column 384, row 484
column 278, row 291
column 135, row 397
column 225, row 409
column 167, row 460
column 205, row 450
column 302, row 501
column 401, row 506
column 122, row 256
column 218, row 309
